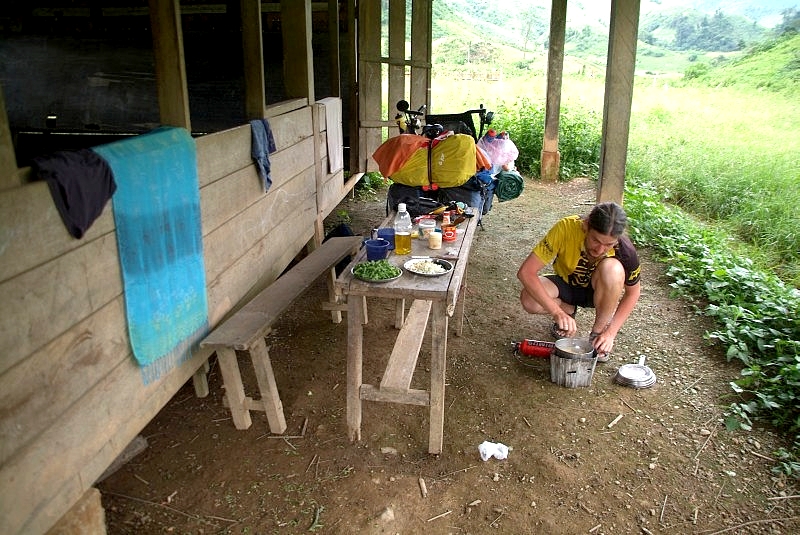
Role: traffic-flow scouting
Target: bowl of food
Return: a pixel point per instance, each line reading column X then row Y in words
column 428, row 267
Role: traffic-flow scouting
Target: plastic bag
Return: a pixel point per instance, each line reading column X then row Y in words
column 500, row 149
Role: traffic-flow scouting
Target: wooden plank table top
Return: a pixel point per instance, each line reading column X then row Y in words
column 443, row 293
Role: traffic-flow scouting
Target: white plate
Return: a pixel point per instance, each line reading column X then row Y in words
column 353, row 271
column 413, row 266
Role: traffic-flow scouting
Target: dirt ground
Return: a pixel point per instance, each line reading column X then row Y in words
column 666, row 465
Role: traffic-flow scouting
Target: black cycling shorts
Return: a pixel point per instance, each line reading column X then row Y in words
column 573, row 295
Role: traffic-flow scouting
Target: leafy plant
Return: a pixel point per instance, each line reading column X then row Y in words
column 370, row 184
column 756, row 314
column 578, row 143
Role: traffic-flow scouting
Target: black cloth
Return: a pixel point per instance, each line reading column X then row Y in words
column 81, row 183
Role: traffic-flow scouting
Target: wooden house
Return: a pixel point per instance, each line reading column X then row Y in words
column 82, row 73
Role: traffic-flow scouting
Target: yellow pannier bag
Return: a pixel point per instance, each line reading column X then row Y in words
column 453, row 162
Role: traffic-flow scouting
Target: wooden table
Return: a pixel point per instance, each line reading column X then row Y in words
column 434, row 300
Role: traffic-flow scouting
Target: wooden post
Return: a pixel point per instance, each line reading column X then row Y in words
column 298, row 58
column 421, row 45
column 9, row 174
column 397, row 58
column 357, row 165
column 333, row 56
column 253, row 56
column 551, row 157
column 173, row 92
column 623, row 32
column 369, row 82
column 355, row 359
column 439, row 321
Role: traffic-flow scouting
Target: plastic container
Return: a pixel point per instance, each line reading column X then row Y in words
column 402, row 230
column 426, row 226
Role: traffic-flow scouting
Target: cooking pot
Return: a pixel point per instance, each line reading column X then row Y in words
column 575, row 348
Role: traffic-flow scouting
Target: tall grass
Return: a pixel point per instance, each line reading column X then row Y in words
column 728, row 156
column 725, row 155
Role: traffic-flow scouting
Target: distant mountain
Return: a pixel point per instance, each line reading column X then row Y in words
column 766, row 13
column 678, row 25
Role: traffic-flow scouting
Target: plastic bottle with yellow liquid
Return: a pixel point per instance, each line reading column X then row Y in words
column 402, row 230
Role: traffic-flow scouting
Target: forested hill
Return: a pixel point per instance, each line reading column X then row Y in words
column 700, row 25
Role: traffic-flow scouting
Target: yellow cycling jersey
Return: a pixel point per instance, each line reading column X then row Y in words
column 564, row 247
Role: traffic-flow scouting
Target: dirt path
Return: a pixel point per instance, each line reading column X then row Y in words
column 666, row 465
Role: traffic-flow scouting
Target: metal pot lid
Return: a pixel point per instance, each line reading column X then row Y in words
column 635, row 375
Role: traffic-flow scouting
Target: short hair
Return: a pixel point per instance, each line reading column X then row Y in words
column 608, row 218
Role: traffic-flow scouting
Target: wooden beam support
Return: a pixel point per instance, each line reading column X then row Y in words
column 621, row 65
column 397, row 56
column 421, row 46
column 551, row 157
column 369, row 82
column 333, row 54
column 253, row 52
column 298, row 58
column 173, row 92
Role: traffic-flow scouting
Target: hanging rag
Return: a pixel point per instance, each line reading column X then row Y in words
column 80, row 182
column 263, row 144
column 159, row 237
column 509, row 185
column 333, row 132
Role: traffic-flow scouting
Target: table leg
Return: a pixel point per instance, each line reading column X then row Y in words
column 439, row 321
column 355, row 339
column 460, row 305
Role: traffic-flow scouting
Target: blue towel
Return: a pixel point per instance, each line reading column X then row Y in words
column 157, row 216
column 262, row 146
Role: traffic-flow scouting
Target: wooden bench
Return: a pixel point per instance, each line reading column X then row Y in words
column 246, row 328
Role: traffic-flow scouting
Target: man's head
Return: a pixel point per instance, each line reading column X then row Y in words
column 604, row 225
column 608, row 218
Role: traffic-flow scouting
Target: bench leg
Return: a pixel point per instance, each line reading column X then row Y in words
column 234, row 390
column 333, row 295
column 200, row 380
column 460, row 306
column 266, row 384
column 399, row 313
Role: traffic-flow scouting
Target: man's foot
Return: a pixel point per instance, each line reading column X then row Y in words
column 601, row 357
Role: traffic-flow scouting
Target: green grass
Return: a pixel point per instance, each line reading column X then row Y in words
column 724, row 154
column 729, row 156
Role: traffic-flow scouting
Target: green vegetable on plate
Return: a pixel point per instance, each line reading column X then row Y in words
column 376, row 270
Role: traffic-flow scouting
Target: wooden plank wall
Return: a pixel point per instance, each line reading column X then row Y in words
column 71, row 394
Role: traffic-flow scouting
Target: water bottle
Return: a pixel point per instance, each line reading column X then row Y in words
column 402, row 230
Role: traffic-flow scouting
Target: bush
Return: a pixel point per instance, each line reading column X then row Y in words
column 755, row 312
column 579, row 137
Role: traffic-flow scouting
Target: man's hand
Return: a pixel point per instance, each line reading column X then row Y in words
column 566, row 324
column 603, row 343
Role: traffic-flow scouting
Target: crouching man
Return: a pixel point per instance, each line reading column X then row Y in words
column 595, row 266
